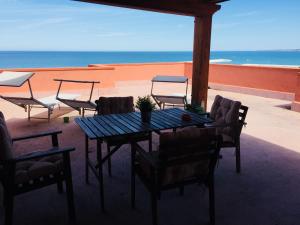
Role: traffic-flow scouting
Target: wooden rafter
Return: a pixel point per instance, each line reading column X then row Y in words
column 180, row 7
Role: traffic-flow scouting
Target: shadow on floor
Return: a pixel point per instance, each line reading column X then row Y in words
column 266, row 192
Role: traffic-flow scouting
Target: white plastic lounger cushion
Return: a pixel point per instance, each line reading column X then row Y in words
column 171, row 79
column 14, row 79
column 68, row 96
column 52, row 101
column 49, row 101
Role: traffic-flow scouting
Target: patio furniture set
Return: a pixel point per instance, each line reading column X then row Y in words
column 186, row 155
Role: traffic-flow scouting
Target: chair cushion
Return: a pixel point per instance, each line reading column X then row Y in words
column 187, row 140
column 225, row 111
column 178, row 147
column 5, row 140
column 34, row 169
column 113, row 105
column 173, row 174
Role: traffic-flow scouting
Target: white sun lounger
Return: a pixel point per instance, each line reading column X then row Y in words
column 175, row 99
column 18, row 79
column 80, row 105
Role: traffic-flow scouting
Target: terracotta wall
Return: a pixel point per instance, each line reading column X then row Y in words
column 258, row 77
column 296, row 102
column 297, row 93
column 107, row 75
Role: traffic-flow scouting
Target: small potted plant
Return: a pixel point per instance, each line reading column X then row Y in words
column 146, row 106
column 195, row 108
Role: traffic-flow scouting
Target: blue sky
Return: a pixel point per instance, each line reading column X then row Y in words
column 69, row 25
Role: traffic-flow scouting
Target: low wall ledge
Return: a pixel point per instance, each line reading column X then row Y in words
column 58, row 69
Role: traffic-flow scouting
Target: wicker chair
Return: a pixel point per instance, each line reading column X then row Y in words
column 114, row 105
column 184, row 157
column 34, row 170
column 229, row 117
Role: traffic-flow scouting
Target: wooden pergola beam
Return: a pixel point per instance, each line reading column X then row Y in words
column 180, row 7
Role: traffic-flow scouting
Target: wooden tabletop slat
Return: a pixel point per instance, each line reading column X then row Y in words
column 114, row 118
column 165, row 121
column 137, row 126
column 128, row 124
column 114, row 127
column 98, row 126
column 136, row 119
column 195, row 117
column 93, row 127
column 172, row 117
column 153, row 125
column 85, row 128
column 105, row 126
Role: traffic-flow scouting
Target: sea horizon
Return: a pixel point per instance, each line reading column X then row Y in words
column 51, row 58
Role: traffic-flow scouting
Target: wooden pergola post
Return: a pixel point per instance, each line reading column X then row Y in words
column 201, row 54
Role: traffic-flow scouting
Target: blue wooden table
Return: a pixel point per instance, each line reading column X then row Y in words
column 128, row 125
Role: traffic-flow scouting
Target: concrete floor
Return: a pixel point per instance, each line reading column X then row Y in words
column 267, row 192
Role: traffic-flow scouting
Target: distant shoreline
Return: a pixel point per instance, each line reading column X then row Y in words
column 270, row 50
column 54, row 59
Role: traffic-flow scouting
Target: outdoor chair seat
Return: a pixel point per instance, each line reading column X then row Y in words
column 29, row 170
column 34, row 170
column 174, row 174
column 227, row 140
column 229, row 118
column 183, row 157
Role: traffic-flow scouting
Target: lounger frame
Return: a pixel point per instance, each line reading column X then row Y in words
column 162, row 100
column 28, row 103
column 80, row 105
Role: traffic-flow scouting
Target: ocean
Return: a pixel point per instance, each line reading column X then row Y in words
column 36, row 59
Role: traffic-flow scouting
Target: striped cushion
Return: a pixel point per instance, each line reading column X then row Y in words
column 225, row 111
column 35, row 169
column 113, row 105
column 185, row 143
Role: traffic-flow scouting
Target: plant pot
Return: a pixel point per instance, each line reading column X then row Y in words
column 66, row 119
column 146, row 116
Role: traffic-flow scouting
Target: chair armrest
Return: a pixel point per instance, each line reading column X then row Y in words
column 145, row 156
column 209, row 125
column 205, row 114
column 40, row 154
column 43, row 134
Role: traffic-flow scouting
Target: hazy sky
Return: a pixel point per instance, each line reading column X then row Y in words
column 69, row 25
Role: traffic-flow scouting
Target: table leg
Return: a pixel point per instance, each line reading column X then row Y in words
column 150, row 141
column 99, row 159
column 87, row 159
column 132, row 175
